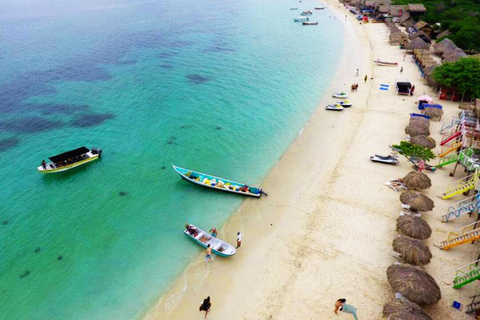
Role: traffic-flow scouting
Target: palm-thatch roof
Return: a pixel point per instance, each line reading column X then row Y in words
column 422, row 35
column 415, row 180
column 445, row 44
column 417, row 43
column 424, row 141
column 417, row 201
column 414, row 284
column 416, row 131
column 421, row 24
column 419, row 122
column 412, row 251
column 453, row 55
column 443, row 34
column 434, row 113
column 397, row 10
column 414, row 227
column 404, row 310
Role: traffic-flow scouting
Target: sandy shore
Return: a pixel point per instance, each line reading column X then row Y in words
column 325, row 230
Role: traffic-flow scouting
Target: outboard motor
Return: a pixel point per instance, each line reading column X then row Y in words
column 97, row 151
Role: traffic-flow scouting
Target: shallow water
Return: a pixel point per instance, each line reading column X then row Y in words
column 220, row 87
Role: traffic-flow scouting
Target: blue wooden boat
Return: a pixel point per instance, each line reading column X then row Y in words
column 217, row 183
column 219, row 247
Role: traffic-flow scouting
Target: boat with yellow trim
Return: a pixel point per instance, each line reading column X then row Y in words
column 70, row 159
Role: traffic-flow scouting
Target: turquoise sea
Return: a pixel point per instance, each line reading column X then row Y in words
column 219, row 86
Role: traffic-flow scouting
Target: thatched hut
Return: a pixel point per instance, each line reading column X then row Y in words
column 412, row 251
column 417, row 201
column 404, row 310
column 417, row 43
column 415, row 180
column 424, row 141
column 414, row 284
column 413, row 131
column 414, row 227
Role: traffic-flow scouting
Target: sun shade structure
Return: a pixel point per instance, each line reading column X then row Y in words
column 424, row 141
column 417, row 181
column 68, row 155
column 434, row 112
column 414, row 284
column 419, row 122
column 412, row 251
column 417, row 131
column 404, row 310
column 417, row 201
column 414, row 227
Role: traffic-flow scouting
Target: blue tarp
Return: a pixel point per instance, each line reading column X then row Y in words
column 419, row 115
column 432, row 106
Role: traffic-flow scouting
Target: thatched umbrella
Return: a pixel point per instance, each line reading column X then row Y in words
column 414, row 284
column 412, row 251
column 417, row 131
column 434, row 112
column 417, row 201
column 404, row 310
column 415, row 180
column 424, row 141
column 419, row 122
column 414, row 227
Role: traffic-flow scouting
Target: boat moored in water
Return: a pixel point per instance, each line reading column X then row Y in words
column 293, row 8
column 335, row 107
column 301, row 19
column 217, row 183
column 306, row 13
column 310, row 23
column 69, row 160
column 319, row 8
column 219, row 247
column 341, row 95
column 385, row 63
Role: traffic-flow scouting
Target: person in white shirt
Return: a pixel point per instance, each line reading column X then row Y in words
column 239, row 239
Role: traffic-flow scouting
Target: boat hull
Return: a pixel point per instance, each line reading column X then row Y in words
column 182, row 172
column 219, row 247
column 69, row 166
column 386, row 63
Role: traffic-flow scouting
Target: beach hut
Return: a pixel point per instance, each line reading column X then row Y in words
column 422, row 35
column 415, row 180
column 412, row 251
column 404, row 310
column 413, row 131
column 414, row 227
column 423, row 26
column 414, row 284
column 417, row 43
column 416, row 8
column 424, row 141
column 417, row 201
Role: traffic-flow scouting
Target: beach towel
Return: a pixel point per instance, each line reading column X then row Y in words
column 384, row 87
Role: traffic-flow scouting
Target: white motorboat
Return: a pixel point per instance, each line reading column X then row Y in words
column 332, row 107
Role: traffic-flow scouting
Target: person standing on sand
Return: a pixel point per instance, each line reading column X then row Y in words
column 205, row 306
column 357, row 73
column 404, row 56
column 239, row 239
column 365, row 79
column 208, row 256
column 401, row 69
column 341, row 304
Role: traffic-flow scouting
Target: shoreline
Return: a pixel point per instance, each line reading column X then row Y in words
column 326, row 228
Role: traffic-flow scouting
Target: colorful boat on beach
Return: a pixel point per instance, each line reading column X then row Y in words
column 70, row 159
column 345, row 104
column 209, row 181
column 335, row 107
column 310, row 23
column 385, row 63
column 203, row 238
column 341, row 95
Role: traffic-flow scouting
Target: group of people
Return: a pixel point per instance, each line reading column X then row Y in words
column 354, row 87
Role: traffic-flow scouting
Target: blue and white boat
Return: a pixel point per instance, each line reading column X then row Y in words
column 219, row 247
column 345, row 104
column 209, row 181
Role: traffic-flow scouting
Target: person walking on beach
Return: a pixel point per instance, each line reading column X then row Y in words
column 239, row 239
column 357, row 73
column 401, row 69
column 411, row 90
column 341, row 304
column 208, row 256
column 404, row 56
column 205, row 306
column 365, row 79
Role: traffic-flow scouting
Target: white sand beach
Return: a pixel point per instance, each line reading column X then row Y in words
column 325, row 231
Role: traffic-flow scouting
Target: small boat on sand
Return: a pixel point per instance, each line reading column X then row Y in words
column 385, row 159
column 385, row 63
column 306, row 13
column 301, row 19
column 217, row 183
column 293, row 8
column 70, row 159
column 345, row 104
column 341, row 95
column 335, row 107
column 219, row 247
column 310, row 23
